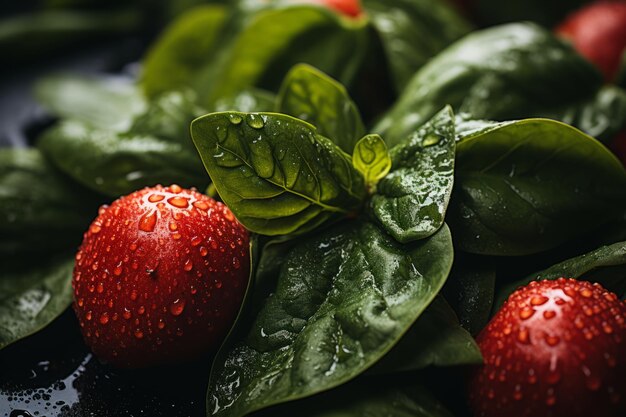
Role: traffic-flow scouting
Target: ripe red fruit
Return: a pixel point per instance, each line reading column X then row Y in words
column 598, row 32
column 350, row 8
column 555, row 348
column 159, row 277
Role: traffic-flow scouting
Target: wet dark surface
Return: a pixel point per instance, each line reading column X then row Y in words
column 54, row 374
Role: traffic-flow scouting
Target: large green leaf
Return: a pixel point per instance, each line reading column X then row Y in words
column 312, row 96
column 606, row 265
column 276, row 174
column 342, row 300
column 183, row 50
column 367, row 398
column 412, row 32
column 411, row 201
column 32, row 296
column 156, row 149
column 101, row 102
column 276, row 39
column 436, row 339
column 508, row 72
column 40, row 209
column 531, row 185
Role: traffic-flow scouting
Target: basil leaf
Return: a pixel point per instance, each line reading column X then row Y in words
column 249, row 100
column 342, row 300
column 275, row 173
column 470, row 290
column 531, row 185
column 606, row 265
column 156, row 149
column 101, row 102
column 40, row 210
column 412, row 32
column 372, row 159
column 411, row 201
column 312, row 96
column 274, row 40
column 436, row 339
column 500, row 73
column 32, row 297
column 367, row 398
column 183, row 50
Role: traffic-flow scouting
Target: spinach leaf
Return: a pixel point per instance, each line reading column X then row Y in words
column 528, row 186
column 471, row 289
column 31, row 297
column 436, row 339
column 276, row 39
column 249, row 100
column 366, row 398
column 411, row 201
column 606, row 265
column 156, row 149
column 40, row 209
column 275, row 173
column 312, row 96
column 342, row 300
column 412, row 32
column 372, row 159
column 183, row 50
column 500, row 73
column 101, row 102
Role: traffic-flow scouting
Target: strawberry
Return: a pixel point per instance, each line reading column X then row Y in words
column 160, row 277
column 555, row 348
column 598, row 32
column 350, row 8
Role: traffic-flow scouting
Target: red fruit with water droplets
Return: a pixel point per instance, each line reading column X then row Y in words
column 555, row 349
column 598, row 32
column 160, row 277
column 350, row 8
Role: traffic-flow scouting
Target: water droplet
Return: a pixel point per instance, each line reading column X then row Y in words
column 180, row 202
column 155, row 198
column 133, row 295
column 538, row 300
column 147, row 222
column 176, row 236
column 235, row 118
column 175, row 188
column 201, row 205
column 100, row 288
column 552, row 340
column 104, row 318
column 88, row 315
column 126, row 314
column 548, row 314
column 526, row 313
column 218, row 284
column 431, row 139
column 236, row 263
column 586, row 292
column 203, row 251
column 255, row 121
column 161, row 324
column 177, row 307
column 138, row 334
column 188, row 265
column 228, row 214
column 522, row 336
column 141, row 310
column 95, row 228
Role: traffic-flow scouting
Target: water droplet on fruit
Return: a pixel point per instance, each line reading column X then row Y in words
column 155, row 198
column 218, row 284
column 173, row 226
column 228, row 214
column 195, row 241
column 138, row 334
column 203, row 251
column 88, row 315
column 177, row 307
column 127, row 314
column 175, row 188
column 522, row 336
column 104, row 318
column 201, row 205
column 99, row 288
column 236, row 263
column 548, row 314
column 552, row 340
column 538, row 300
column 607, row 328
column 161, row 324
column 95, row 228
column 180, row 202
column 81, row 302
column 141, row 310
column 188, row 265
column 147, row 222
column 526, row 313
column 586, row 292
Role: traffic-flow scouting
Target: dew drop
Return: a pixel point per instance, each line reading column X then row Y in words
column 548, row 314
column 255, row 121
column 88, row 315
column 175, row 188
column 104, row 318
column 155, row 198
column 195, row 241
column 177, row 307
column 538, row 300
column 235, row 118
column 95, row 228
column 188, row 265
column 201, row 205
column 138, row 334
column 526, row 313
column 126, row 314
column 203, row 251
column 147, row 222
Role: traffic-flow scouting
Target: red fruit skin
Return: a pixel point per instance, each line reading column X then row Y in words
column 160, row 277
column 598, row 32
column 555, row 349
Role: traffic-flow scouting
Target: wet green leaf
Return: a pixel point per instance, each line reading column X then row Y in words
column 372, row 159
column 342, row 300
column 411, row 201
column 276, row 174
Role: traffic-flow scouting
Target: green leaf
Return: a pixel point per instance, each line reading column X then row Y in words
column 502, row 73
column 100, row 102
column 156, row 149
column 312, row 96
column 372, row 159
column 274, row 40
column 606, row 265
column 275, row 173
column 412, row 32
column 183, row 50
column 531, row 185
column 366, row 398
column 32, row 297
column 436, row 339
column 411, row 201
column 40, row 209
column 250, row 100
column 470, row 290
column 342, row 300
